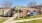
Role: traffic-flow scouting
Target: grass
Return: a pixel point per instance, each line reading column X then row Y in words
column 2, row 20
column 33, row 21
column 26, row 17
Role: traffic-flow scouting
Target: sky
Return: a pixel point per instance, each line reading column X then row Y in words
column 21, row 2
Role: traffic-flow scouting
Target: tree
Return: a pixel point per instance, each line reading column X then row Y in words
column 31, row 4
column 7, row 4
column 18, row 7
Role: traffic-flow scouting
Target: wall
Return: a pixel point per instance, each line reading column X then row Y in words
column 7, row 12
column 1, row 12
column 23, row 13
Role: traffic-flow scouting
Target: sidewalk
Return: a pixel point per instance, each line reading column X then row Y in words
column 28, row 19
column 10, row 20
column 0, row 17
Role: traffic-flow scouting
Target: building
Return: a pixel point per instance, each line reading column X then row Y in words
column 7, row 12
column 23, row 10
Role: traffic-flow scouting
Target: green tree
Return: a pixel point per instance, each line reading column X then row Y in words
column 18, row 7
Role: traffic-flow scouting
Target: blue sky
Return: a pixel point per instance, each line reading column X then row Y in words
column 22, row 2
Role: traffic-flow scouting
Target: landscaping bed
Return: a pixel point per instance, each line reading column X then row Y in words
column 2, row 20
column 26, row 17
column 33, row 21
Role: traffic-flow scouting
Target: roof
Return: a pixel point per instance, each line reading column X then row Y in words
column 38, row 6
column 28, row 8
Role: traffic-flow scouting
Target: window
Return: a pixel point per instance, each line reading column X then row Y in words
column 20, row 11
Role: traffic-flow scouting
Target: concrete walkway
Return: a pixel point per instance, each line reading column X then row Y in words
column 0, row 17
column 28, row 19
column 10, row 20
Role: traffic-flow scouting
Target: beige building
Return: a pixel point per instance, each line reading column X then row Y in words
column 23, row 11
column 6, row 12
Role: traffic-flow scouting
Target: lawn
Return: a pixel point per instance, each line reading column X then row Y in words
column 33, row 21
column 36, row 16
column 2, row 20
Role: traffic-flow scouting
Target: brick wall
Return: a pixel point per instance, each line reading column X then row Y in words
column 23, row 13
